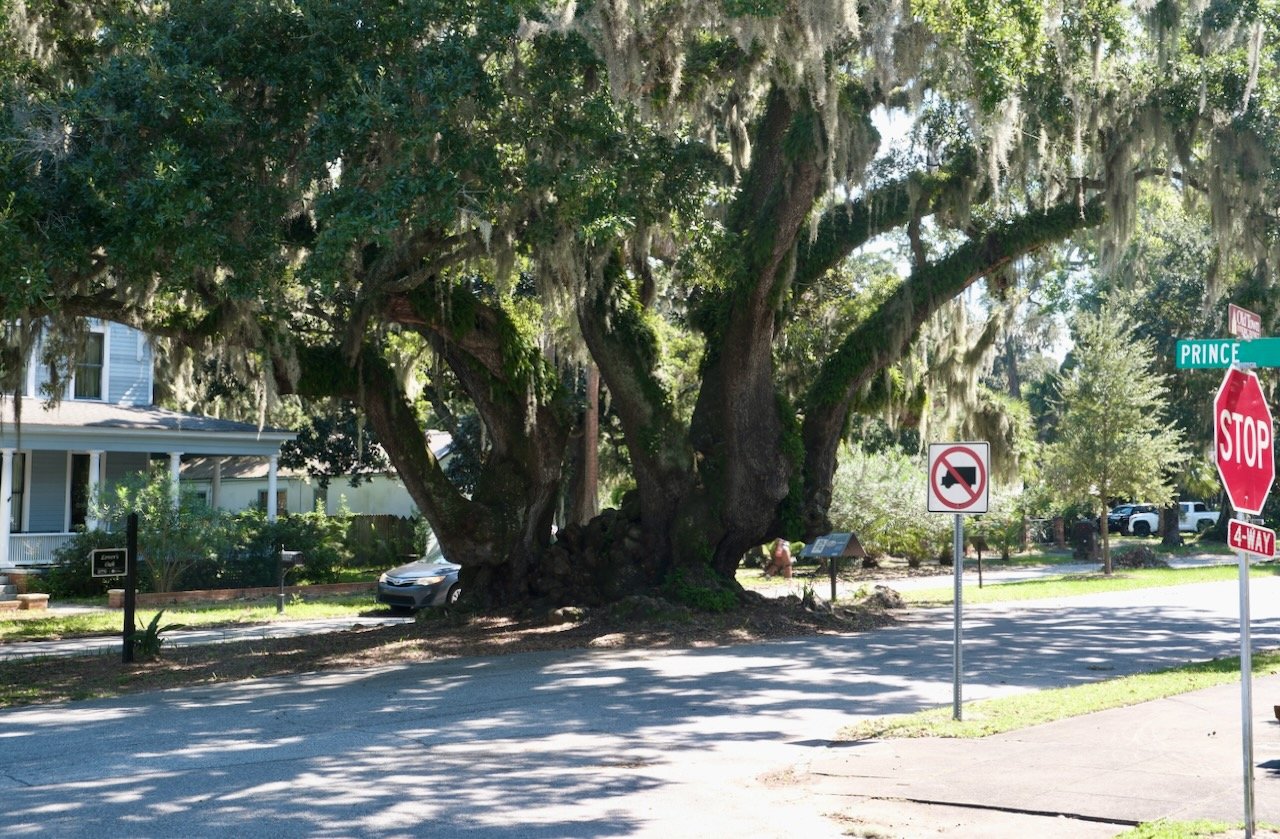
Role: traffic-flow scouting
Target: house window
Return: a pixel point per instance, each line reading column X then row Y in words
column 282, row 496
column 19, row 491
column 79, row 491
column 88, row 372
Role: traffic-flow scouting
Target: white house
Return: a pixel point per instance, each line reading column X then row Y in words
column 53, row 459
column 240, row 482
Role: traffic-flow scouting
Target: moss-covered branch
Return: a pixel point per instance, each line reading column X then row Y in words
column 373, row 385
column 624, row 346
column 884, row 336
column 846, row 227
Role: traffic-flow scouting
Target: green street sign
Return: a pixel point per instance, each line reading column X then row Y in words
column 1198, row 354
column 1204, row 353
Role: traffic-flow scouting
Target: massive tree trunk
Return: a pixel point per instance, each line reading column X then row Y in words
column 621, row 340
column 741, row 425
column 500, row 533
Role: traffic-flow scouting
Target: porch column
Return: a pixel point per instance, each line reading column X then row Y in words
column 175, row 462
column 273, row 466
column 95, row 473
column 6, row 495
column 215, row 485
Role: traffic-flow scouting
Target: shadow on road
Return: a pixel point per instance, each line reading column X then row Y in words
column 564, row 744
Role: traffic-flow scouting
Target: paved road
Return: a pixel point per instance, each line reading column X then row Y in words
column 599, row 743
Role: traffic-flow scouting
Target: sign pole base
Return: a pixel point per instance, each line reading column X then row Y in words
column 957, row 563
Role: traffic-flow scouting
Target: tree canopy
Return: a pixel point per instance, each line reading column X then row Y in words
column 316, row 190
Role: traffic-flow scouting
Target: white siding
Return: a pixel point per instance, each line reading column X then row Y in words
column 127, row 367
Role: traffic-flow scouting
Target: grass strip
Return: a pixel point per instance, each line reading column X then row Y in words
column 1201, row 829
column 1075, row 585
column 1009, row 713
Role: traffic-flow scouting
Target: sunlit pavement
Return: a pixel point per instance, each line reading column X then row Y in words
column 700, row 742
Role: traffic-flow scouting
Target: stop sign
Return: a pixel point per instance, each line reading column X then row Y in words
column 1242, row 441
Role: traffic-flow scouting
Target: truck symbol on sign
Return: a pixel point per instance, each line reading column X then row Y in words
column 968, row 474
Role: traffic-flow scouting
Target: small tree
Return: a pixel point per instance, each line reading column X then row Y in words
column 1113, row 437
column 171, row 540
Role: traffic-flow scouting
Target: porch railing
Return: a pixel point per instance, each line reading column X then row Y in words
column 35, row 549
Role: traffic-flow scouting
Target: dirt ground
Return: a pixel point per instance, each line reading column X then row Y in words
column 635, row 623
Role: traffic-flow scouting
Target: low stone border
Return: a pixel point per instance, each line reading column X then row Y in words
column 115, row 596
column 33, row 602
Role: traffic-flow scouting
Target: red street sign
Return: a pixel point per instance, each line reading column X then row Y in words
column 1251, row 538
column 1243, row 441
column 1243, row 323
column 958, row 477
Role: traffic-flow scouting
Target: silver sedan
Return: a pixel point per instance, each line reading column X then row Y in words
column 432, row 581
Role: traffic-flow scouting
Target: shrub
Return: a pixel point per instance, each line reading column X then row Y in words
column 148, row 640
column 249, row 555
column 71, row 575
column 704, row 593
column 881, row 497
column 172, row 541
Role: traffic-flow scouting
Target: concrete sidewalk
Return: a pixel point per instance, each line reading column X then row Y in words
column 1179, row 758
column 113, row 645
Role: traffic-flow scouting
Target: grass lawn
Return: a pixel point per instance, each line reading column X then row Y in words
column 995, row 716
column 1185, row 830
column 1078, row 584
column 263, row 610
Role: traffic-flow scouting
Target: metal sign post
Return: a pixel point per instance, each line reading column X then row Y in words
column 1244, row 453
column 1246, row 691
column 958, row 484
column 957, row 654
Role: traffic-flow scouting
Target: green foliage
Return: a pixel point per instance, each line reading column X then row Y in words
column 148, row 641
column 197, row 547
column 702, row 591
column 1113, row 439
column 1000, row 40
column 70, row 575
column 1001, row 526
column 335, row 443
column 171, row 539
column 881, row 498
column 252, row 560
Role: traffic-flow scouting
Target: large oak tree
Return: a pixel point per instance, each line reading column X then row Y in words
column 307, row 187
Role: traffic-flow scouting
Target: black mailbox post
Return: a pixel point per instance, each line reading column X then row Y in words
column 287, row 560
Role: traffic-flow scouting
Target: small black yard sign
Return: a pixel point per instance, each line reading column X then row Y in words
column 109, row 562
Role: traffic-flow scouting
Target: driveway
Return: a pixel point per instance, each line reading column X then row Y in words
column 704, row 742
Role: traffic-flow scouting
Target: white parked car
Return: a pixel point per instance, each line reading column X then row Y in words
column 1193, row 517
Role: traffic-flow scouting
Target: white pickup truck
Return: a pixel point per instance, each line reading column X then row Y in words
column 1193, row 517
